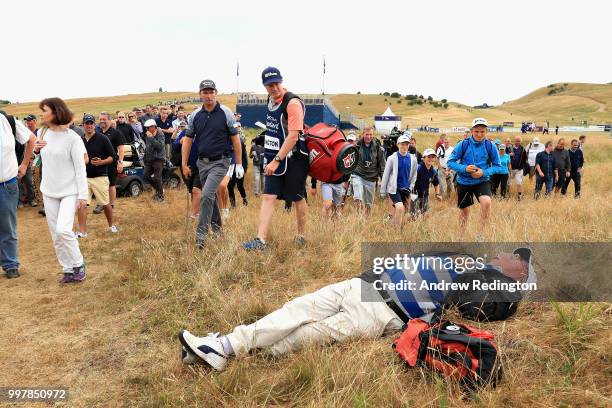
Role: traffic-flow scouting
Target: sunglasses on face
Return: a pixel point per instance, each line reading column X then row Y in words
column 120, row 117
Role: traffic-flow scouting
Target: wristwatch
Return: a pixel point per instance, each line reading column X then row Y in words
column 120, row 161
column 277, row 158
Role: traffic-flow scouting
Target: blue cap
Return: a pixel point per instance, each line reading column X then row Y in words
column 89, row 118
column 271, row 75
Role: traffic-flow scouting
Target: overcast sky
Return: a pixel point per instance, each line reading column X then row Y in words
column 465, row 51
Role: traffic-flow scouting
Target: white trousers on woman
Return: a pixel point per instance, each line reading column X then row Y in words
column 60, row 217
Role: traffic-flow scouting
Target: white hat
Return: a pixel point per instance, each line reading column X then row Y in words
column 429, row 152
column 408, row 133
column 402, row 139
column 150, row 122
column 480, row 121
column 536, row 140
column 351, row 137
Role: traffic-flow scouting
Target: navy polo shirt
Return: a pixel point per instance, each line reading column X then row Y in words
column 165, row 124
column 212, row 130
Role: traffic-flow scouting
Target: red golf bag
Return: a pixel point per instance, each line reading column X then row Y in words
column 453, row 350
column 329, row 153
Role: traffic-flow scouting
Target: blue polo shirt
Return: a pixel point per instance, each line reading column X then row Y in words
column 403, row 171
column 211, row 131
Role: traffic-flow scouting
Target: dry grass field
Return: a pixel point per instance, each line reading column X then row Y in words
column 112, row 339
column 570, row 105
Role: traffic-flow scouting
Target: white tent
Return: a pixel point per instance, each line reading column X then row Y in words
column 387, row 121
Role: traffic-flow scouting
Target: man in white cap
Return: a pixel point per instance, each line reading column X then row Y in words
column 398, row 179
column 474, row 160
column 445, row 175
column 532, row 150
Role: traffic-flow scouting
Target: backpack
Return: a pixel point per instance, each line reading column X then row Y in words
column 11, row 121
column 330, row 155
column 453, row 350
column 19, row 148
column 443, row 153
column 488, row 146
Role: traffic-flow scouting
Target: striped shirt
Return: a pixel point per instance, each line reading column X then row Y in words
column 412, row 292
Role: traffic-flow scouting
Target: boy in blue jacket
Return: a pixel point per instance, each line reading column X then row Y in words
column 474, row 160
column 426, row 175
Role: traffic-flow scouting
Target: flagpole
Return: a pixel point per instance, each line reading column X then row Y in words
column 323, row 80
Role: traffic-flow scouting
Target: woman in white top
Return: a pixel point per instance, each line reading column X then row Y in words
column 64, row 183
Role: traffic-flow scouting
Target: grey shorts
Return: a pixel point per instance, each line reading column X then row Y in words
column 363, row 190
column 333, row 193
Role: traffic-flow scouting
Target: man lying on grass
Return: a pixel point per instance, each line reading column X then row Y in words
column 376, row 303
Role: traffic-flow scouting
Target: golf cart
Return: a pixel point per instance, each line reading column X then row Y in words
column 131, row 181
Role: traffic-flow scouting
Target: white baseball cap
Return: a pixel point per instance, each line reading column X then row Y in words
column 480, row 121
column 351, row 137
column 536, row 140
column 402, row 139
column 429, row 152
column 150, row 122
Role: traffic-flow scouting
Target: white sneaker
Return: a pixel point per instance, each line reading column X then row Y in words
column 81, row 234
column 225, row 214
column 113, row 229
column 209, row 348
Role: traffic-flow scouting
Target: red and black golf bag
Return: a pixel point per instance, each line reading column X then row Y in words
column 452, row 349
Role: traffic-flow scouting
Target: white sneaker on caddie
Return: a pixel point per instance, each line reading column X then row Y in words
column 209, row 348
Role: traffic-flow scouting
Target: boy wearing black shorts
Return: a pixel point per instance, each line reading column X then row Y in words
column 474, row 160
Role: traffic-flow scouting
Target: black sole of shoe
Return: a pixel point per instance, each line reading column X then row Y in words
column 184, row 343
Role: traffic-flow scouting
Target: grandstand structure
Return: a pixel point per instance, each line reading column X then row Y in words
column 254, row 107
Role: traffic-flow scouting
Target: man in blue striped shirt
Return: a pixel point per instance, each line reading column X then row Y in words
column 376, row 303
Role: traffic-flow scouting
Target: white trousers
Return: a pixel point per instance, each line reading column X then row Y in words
column 60, row 217
column 333, row 313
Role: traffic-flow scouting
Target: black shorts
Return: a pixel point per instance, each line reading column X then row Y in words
column 112, row 174
column 401, row 196
column 193, row 180
column 291, row 186
column 466, row 193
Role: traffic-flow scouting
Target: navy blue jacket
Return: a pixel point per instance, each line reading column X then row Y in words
column 424, row 177
column 576, row 159
column 547, row 163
